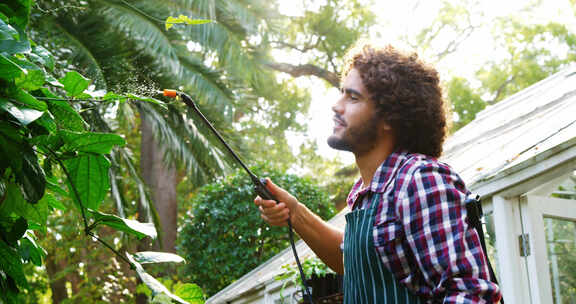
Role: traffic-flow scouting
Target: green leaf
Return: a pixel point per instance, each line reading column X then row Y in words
column 114, row 96
column 24, row 163
column 146, row 257
column 133, row 227
column 147, row 99
column 89, row 176
column 25, row 99
column 41, row 56
column 91, row 142
column 19, row 12
column 15, row 203
column 2, row 190
column 47, row 122
column 30, row 251
column 17, row 231
column 32, row 80
column 9, row 69
column 53, row 81
column 7, row 32
column 31, row 176
column 11, row 264
column 52, row 141
column 54, row 203
column 53, row 186
column 189, row 292
column 74, row 83
column 170, row 21
column 23, row 115
column 65, row 115
column 154, row 285
column 11, row 46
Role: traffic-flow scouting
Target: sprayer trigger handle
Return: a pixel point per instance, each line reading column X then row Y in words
column 262, row 191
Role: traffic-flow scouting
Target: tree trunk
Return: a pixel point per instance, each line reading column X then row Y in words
column 58, row 286
column 162, row 180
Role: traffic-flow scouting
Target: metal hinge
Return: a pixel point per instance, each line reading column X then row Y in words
column 524, row 243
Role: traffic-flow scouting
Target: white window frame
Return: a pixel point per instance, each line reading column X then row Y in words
column 533, row 210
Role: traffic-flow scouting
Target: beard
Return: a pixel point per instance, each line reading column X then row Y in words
column 357, row 139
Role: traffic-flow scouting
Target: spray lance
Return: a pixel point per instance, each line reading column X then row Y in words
column 259, row 184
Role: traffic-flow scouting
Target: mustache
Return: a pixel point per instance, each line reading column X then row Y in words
column 339, row 118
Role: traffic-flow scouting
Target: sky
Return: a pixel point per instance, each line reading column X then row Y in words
column 406, row 18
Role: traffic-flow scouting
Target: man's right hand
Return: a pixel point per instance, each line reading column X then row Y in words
column 277, row 214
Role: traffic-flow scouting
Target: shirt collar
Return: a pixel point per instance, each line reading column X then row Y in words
column 382, row 176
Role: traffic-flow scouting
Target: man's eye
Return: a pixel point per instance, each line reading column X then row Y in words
column 353, row 97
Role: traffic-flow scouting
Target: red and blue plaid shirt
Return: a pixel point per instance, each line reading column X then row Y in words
column 421, row 232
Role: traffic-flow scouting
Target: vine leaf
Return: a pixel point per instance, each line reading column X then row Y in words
column 91, row 142
column 23, row 115
column 89, row 175
column 24, row 163
column 11, row 264
column 154, row 285
column 9, row 69
column 74, row 83
column 41, row 56
column 17, row 231
column 65, row 115
column 30, row 251
column 170, row 21
column 7, row 32
column 15, row 203
column 190, row 292
column 29, row 101
column 147, row 257
column 20, row 12
column 133, row 227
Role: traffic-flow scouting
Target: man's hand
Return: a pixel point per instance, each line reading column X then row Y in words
column 277, row 214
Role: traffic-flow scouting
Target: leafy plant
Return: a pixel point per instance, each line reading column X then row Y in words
column 311, row 266
column 49, row 156
column 224, row 234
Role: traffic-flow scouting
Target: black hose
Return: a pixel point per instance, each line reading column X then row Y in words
column 259, row 188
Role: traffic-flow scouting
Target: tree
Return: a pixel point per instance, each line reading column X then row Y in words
column 528, row 55
column 221, row 72
column 321, row 38
column 224, row 236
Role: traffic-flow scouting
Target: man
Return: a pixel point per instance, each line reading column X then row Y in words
column 407, row 239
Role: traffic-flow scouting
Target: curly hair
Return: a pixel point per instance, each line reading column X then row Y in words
column 407, row 95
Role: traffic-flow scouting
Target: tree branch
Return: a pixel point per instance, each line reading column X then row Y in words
column 501, row 89
column 305, row 70
column 303, row 49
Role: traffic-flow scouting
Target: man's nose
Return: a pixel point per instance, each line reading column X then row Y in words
column 338, row 107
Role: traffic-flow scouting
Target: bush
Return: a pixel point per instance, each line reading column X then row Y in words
column 224, row 237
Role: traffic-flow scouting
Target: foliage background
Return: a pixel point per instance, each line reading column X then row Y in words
column 223, row 234
column 254, row 71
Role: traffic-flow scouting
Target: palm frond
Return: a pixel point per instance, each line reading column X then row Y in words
column 205, row 83
column 147, row 34
column 82, row 54
column 185, row 142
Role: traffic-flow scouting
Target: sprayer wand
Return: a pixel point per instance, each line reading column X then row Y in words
column 259, row 184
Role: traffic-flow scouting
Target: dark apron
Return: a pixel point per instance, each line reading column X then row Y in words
column 366, row 279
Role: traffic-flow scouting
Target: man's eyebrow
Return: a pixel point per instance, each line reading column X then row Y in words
column 350, row 91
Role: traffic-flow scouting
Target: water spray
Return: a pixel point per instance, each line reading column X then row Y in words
column 259, row 184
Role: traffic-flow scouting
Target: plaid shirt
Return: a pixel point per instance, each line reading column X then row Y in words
column 421, row 232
